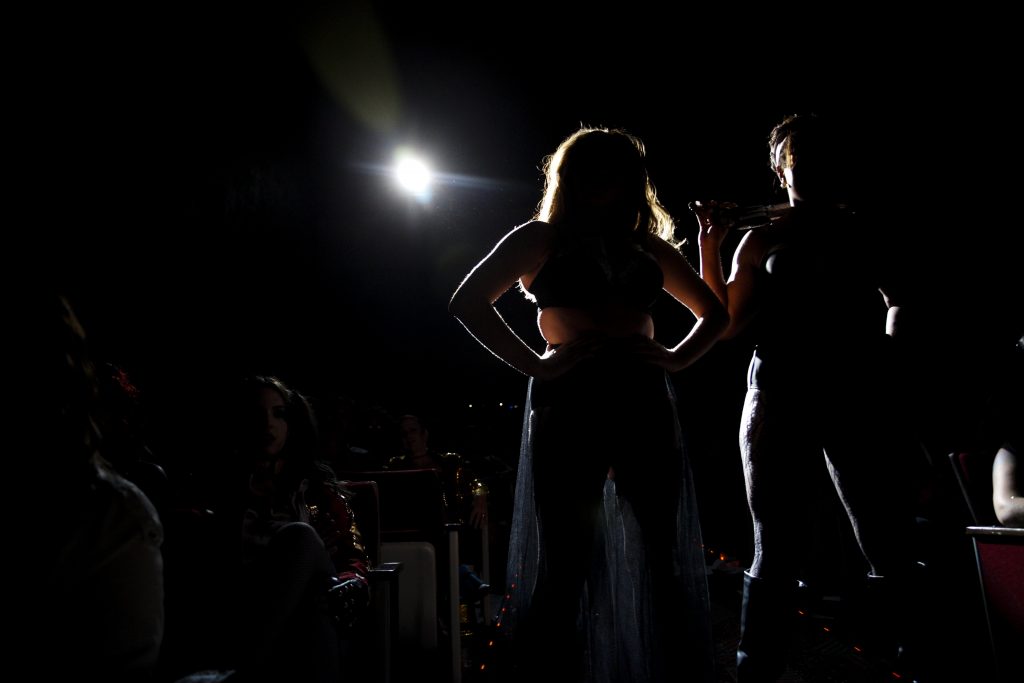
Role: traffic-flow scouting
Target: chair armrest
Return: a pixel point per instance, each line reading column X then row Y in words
column 996, row 532
column 385, row 571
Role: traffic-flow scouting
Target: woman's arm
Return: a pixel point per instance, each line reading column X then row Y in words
column 1006, row 493
column 518, row 253
column 686, row 287
column 736, row 294
column 348, row 594
column 741, row 288
column 709, row 238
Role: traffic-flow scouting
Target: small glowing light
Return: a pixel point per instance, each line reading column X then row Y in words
column 490, row 643
column 856, row 648
column 721, row 556
column 826, row 629
column 470, row 405
column 801, row 612
column 412, row 174
column 500, row 404
column 483, row 667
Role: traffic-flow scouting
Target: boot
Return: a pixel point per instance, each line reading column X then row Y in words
column 767, row 622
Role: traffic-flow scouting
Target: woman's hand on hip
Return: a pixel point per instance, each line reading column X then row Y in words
column 653, row 352
column 556, row 362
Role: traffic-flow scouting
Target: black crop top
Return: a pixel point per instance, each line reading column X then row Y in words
column 589, row 276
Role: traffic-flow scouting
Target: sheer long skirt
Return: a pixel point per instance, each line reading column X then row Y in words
column 606, row 568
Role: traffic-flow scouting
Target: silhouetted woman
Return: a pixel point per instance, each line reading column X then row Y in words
column 605, row 523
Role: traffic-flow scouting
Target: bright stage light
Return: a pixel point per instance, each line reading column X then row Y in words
column 413, row 175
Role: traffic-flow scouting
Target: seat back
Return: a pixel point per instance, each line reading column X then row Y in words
column 413, row 532
column 999, row 553
column 411, row 503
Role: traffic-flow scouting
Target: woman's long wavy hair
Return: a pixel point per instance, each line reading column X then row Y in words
column 593, row 156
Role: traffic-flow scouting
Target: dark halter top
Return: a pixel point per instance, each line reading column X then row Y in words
column 588, row 275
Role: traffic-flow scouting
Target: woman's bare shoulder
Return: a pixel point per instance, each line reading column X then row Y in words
column 533, row 232
column 656, row 246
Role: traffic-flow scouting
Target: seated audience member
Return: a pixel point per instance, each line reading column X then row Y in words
column 289, row 564
column 99, row 611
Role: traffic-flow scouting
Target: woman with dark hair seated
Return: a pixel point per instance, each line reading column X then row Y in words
column 290, row 563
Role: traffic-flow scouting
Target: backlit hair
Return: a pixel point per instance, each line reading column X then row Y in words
column 600, row 154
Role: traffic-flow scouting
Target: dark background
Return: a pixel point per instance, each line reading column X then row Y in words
column 214, row 200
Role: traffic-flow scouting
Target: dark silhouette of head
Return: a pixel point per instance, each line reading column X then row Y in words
column 806, row 156
column 599, row 175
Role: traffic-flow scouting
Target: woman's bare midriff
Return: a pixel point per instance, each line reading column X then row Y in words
column 560, row 325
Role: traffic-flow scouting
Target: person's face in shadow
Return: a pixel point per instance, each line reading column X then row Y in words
column 807, row 171
column 601, row 187
column 272, row 424
column 414, row 437
column 604, row 179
